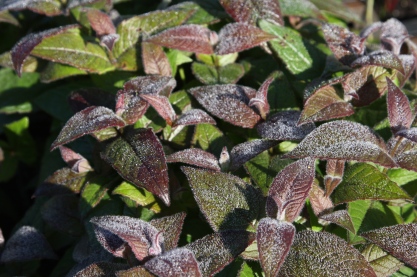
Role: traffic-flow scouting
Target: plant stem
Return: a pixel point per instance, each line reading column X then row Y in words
column 369, row 12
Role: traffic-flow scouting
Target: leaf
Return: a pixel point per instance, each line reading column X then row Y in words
column 194, row 117
column 325, row 104
column 210, row 138
column 251, row 11
column 202, row 13
column 341, row 218
column 171, row 227
column 195, row 156
column 404, row 152
column 334, row 175
column 323, row 254
column 382, row 58
column 46, row 7
column 364, row 181
column 5, row 16
column 175, row 263
column 399, row 111
column 83, row 98
column 283, row 126
column 211, row 75
column 57, row 71
column 140, row 196
column 398, row 240
column 274, row 242
column 261, row 99
column 393, row 34
column 343, row 140
column 98, row 4
column 213, row 252
column 192, row 38
column 87, row 121
column 100, row 269
column 139, row 158
column 259, row 172
column 302, row 8
column 228, row 102
column 93, row 192
column 236, row 37
column 245, row 151
column 20, row 141
column 162, row 106
column 75, row 161
column 320, row 203
column 100, row 22
column 234, row 210
column 154, row 60
column 290, row 189
column 382, row 263
column 137, row 271
column 142, row 237
column 409, row 64
column 289, row 47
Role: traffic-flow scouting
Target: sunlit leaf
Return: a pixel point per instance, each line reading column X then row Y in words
column 194, row 117
column 261, row 99
column 409, row 64
column 100, row 22
column 94, row 191
column 302, row 8
column 385, row 59
column 236, row 37
column 405, row 151
column 162, row 106
column 274, row 240
column 98, row 4
column 343, row 140
column 171, row 227
column 382, row 263
column 341, row 218
column 140, row 196
column 234, row 210
column 46, row 7
column 393, row 34
column 201, row 12
column 290, row 189
column 320, row 203
column 399, row 111
column 154, row 60
column 245, row 151
column 195, row 156
column 75, row 161
column 62, row 181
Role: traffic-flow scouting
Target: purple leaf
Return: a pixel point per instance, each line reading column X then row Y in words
column 245, row 151
column 162, row 106
column 409, row 65
column 320, row 203
column 399, row 111
column 404, row 152
column 213, row 252
column 139, row 158
column 195, row 156
column 143, row 239
column 228, row 102
column 84, row 98
column 274, row 240
column 398, row 240
column 261, row 99
column 194, row 117
column 370, row 29
column 171, row 227
column 100, row 22
column 87, row 121
column 75, row 161
column 334, row 174
column 236, row 37
column 289, row 190
column 179, row 262
column 191, row 38
column 100, row 269
column 410, row 134
column 154, row 60
column 24, row 47
column 341, row 218
column 235, row 209
column 393, row 34
column 345, row 45
column 283, row 126
column 250, row 12
column 382, row 58
column 344, row 140
column 109, row 40
column 26, row 244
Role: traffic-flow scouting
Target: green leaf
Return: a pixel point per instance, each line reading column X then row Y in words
column 56, row 71
column 401, row 176
column 250, row 270
column 302, row 8
column 382, row 263
column 5, row 16
column 289, row 47
column 341, row 218
column 259, row 171
column 93, row 192
column 139, row 196
column 210, row 138
column 364, row 181
column 21, row 141
column 211, row 75
column 199, row 15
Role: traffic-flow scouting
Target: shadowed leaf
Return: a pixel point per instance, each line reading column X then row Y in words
column 100, row 22
column 382, row 263
column 75, row 161
column 139, row 158
column 385, row 59
column 234, row 210
column 195, row 156
column 343, row 140
column 399, row 111
column 320, row 203
column 228, row 102
column 398, row 240
column 324, row 254
column 84, row 98
column 171, row 227
column 274, row 240
column 154, row 60
column 393, row 34
column 5, row 16
column 245, row 151
column 57, row 71
column 409, row 65
column 289, row 190
column 341, row 218
column 162, row 106
column 410, row 134
column 210, row 138
column 247, row 11
column 211, row 75
column 46, row 7
column 194, row 117
column 100, row 269
column 367, row 31
column 109, row 40
column 87, row 121
column 236, row 37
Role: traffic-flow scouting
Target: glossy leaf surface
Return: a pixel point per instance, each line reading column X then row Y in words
column 195, row 156
column 194, row 117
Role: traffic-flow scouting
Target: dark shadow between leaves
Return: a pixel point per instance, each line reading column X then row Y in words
column 368, row 93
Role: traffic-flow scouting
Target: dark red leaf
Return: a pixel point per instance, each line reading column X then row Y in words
column 228, row 102
column 261, row 99
column 179, row 262
column 283, row 126
column 341, row 218
column 87, row 121
column 289, row 190
column 171, row 227
column 236, row 37
column 24, row 47
column 75, row 161
column 191, row 38
column 194, row 117
column 382, row 58
column 320, row 203
column 83, row 98
column 108, row 41
column 100, row 22
column 162, row 106
column 195, row 156
column 393, row 34
column 245, row 151
column 274, row 239
column 154, row 60
column 399, row 111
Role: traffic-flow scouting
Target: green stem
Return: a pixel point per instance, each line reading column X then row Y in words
column 369, row 12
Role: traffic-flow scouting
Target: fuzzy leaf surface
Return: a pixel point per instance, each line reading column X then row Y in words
column 382, row 263
column 341, row 218
column 385, row 59
column 195, row 156
column 245, row 151
column 154, row 60
column 399, row 111
column 136, row 271
column 162, row 106
column 46, row 7
column 171, row 227
column 234, row 210
column 405, row 151
column 194, row 117
column 393, row 34
column 320, row 203
column 100, row 22
column 75, row 161
column 248, row 11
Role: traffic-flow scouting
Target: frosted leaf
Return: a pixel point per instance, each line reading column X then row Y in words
column 75, row 161
column 410, row 134
column 228, row 102
column 46, row 7
column 370, row 29
column 343, row 140
column 154, row 60
column 289, row 190
column 382, row 263
column 194, row 117
column 261, row 99
column 283, row 126
column 100, row 22
column 191, row 38
column 405, row 152
column 213, row 252
column 324, row 254
column 398, row 240
column 250, row 12
column 245, row 151
column 195, row 156
column 399, row 111
column 341, row 218
column 111, row 242
column 139, row 158
column 100, row 269
column 320, row 203
column 236, row 37
column 136, row 271
column 409, row 65
column 162, row 106
column 62, row 181
column 382, row 58
column 179, row 262
column 24, row 47
column 87, row 121
column 171, row 227
column 26, row 244
column 393, row 34
column 143, row 239
column 274, row 240
column 235, row 209
column 84, row 98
